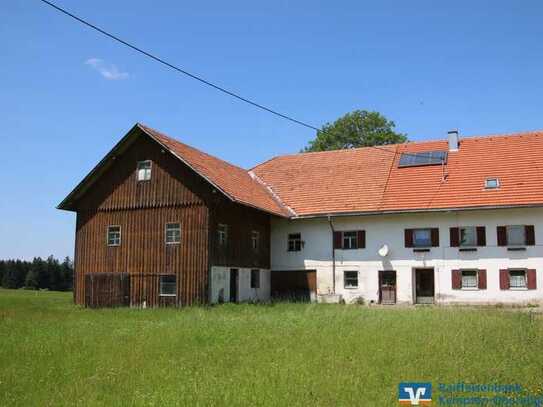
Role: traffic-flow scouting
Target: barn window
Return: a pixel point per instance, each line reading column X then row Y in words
column 173, row 233
column 144, row 170
column 113, row 235
column 255, row 239
column 294, row 242
column 350, row 279
column 469, row 279
column 517, row 279
column 168, row 286
column 222, row 231
column 255, row 278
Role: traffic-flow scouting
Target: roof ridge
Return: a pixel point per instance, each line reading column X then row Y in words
column 189, row 146
column 273, row 194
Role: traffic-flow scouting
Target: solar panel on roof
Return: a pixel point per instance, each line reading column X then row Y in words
column 422, row 158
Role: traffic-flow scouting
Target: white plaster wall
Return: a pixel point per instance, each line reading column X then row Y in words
column 220, row 280
column 380, row 229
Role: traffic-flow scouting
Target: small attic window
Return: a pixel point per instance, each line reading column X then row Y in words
column 492, row 183
column 144, row 170
column 422, row 158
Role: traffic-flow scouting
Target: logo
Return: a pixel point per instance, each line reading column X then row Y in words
column 415, row 394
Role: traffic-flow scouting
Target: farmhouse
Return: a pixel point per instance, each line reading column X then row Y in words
column 448, row 221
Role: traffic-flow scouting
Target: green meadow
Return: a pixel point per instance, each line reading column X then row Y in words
column 55, row 353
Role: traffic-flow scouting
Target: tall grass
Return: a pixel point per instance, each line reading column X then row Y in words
column 54, row 353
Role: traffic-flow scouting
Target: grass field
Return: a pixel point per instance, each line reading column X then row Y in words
column 54, row 353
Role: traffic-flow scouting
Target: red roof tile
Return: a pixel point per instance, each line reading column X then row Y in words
column 369, row 180
column 234, row 181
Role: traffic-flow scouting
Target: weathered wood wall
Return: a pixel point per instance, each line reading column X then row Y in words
column 241, row 221
column 142, row 209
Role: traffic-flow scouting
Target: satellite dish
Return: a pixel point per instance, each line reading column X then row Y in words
column 383, row 251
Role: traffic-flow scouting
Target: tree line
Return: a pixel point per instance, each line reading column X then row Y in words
column 37, row 274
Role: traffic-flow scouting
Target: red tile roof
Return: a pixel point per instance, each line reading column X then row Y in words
column 235, row 182
column 369, row 180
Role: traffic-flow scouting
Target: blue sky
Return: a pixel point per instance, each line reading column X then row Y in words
column 68, row 94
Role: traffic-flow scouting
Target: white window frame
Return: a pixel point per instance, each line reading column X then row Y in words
column 145, row 171
column 471, row 228
column 429, row 230
column 488, row 180
column 161, row 284
column 255, row 239
column 519, row 288
column 508, row 228
column 107, row 235
column 258, row 274
column 166, row 233
column 345, row 278
column 294, row 244
column 222, row 234
column 469, row 288
column 351, row 239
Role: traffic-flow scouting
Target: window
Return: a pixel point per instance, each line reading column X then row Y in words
column 168, row 287
column 350, row 240
column 492, row 183
column 350, row 279
column 222, row 234
column 469, row 279
column 255, row 239
column 422, row 238
column 517, row 279
column 516, row 235
column 173, row 233
column 422, row 158
column 468, row 236
column 113, row 235
column 144, row 170
column 255, row 278
column 294, row 242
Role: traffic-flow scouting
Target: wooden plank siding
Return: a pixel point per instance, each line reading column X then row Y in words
column 174, row 194
column 241, row 222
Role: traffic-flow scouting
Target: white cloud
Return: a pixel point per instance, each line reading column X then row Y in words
column 108, row 71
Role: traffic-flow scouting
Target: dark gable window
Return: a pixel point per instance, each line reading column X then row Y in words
column 144, row 170
column 168, row 287
column 255, row 239
column 222, row 233
column 255, row 278
column 294, row 242
column 350, row 279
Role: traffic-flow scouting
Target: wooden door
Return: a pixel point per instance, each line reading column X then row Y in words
column 234, row 279
column 387, row 287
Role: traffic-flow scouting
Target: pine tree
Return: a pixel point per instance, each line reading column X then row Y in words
column 31, row 281
column 67, row 270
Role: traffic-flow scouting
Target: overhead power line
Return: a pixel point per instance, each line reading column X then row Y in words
column 178, row 69
column 190, row 75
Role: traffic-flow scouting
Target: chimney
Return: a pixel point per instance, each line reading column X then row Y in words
column 454, row 140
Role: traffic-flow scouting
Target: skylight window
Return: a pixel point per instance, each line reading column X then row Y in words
column 492, row 183
column 423, row 158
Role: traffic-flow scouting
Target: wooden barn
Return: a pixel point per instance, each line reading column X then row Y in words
column 161, row 223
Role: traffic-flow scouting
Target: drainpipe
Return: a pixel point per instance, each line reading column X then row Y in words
column 333, row 256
